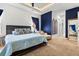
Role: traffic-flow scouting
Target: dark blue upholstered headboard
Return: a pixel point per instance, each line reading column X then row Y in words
column 10, row 28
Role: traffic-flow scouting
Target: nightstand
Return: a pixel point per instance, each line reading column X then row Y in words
column 48, row 37
column 1, row 39
column 45, row 35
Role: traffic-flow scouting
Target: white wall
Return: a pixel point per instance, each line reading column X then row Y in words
column 13, row 15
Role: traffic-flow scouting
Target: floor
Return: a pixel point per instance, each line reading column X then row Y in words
column 74, row 38
column 57, row 46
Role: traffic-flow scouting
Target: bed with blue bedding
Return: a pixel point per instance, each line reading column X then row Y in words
column 19, row 42
column 15, row 43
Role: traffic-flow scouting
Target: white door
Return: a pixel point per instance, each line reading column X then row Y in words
column 61, row 25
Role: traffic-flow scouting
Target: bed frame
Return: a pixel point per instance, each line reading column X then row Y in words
column 10, row 28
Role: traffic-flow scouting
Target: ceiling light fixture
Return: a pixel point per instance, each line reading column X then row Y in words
column 32, row 4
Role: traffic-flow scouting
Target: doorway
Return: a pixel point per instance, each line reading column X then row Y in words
column 55, row 26
column 61, row 25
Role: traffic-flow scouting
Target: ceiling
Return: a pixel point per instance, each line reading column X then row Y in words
column 39, row 6
column 51, row 6
column 64, row 6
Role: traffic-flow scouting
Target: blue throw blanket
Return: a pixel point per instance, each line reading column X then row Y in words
column 19, row 42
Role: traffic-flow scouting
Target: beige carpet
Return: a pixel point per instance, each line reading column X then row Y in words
column 56, row 47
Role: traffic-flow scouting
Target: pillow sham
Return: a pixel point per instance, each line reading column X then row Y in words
column 20, row 31
column 27, row 31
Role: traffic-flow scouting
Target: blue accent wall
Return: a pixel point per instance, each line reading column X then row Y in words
column 46, row 21
column 71, row 14
column 36, row 22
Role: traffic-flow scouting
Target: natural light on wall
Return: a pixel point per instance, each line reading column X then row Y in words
column 0, row 24
column 1, row 21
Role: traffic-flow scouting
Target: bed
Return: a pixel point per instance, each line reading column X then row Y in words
column 19, row 42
